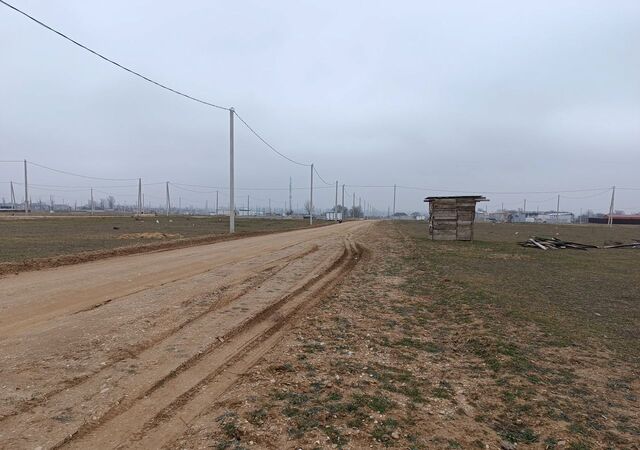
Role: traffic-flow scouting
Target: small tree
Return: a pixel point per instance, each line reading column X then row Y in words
column 308, row 208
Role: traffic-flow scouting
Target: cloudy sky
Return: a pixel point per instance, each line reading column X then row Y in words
column 474, row 96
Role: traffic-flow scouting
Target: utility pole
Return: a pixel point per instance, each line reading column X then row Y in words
column 290, row 197
column 206, row 206
column 610, row 219
column 269, row 206
column 311, row 198
column 179, row 205
column 139, row 195
column 394, row 200
column 343, row 208
column 558, row 210
column 353, row 205
column 360, row 206
column 247, row 205
column 92, row 201
column 168, row 199
column 232, row 208
column 524, row 210
column 335, row 207
column 13, row 197
column 26, row 190
column 216, row 203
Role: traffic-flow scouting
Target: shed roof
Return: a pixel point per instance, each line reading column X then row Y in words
column 477, row 198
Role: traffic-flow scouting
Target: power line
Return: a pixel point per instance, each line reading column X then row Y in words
column 10, row 161
column 99, row 55
column 266, row 143
column 76, row 174
column 321, row 179
column 500, row 192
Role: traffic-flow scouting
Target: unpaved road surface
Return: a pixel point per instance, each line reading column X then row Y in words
column 126, row 352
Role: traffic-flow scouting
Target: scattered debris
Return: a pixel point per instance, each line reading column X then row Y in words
column 554, row 243
column 153, row 235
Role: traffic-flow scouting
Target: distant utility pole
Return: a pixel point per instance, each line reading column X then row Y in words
column 216, row 203
column 168, row 199
column 311, row 198
column 335, row 207
column 558, row 210
column 524, row 210
column 13, row 197
column 26, row 190
column 353, row 205
column 269, row 206
column 343, row 208
column 206, row 206
column 179, row 205
column 394, row 200
column 232, row 207
column 139, row 195
column 247, row 205
column 360, row 207
column 290, row 196
column 613, row 195
column 92, row 201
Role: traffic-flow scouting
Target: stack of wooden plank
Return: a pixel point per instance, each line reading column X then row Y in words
column 545, row 243
column 635, row 244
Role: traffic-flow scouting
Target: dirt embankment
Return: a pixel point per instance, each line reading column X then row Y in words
column 172, row 241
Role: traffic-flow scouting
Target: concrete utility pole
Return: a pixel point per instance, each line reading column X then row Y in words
column 139, row 195
column 558, row 210
column 269, row 206
column 26, row 190
column 232, row 207
column 610, row 218
column 247, row 205
column 394, row 200
column 353, row 205
column 290, row 196
column 216, row 203
column 168, row 199
column 311, row 198
column 13, row 197
column 92, row 202
column 343, row 208
column 335, row 205
column 360, row 207
column 524, row 210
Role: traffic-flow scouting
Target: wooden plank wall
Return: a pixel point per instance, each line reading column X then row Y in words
column 452, row 219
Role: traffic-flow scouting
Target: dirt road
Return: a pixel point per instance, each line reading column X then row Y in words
column 125, row 352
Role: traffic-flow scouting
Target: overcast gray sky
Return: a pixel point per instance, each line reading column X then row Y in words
column 471, row 95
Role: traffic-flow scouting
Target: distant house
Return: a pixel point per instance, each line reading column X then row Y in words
column 619, row 219
column 451, row 218
column 555, row 217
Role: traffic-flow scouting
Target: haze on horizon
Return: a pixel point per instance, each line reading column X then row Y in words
column 472, row 96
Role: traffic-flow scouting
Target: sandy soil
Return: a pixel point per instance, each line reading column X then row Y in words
column 127, row 351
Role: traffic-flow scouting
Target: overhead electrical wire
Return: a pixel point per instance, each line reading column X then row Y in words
column 109, row 60
column 319, row 176
column 266, row 143
column 150, row 80
column 76, row 174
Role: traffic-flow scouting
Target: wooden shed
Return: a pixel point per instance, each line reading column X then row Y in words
column 451, row 218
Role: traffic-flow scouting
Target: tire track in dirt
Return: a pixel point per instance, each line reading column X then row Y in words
column 223, row 296
column 140, row 420
column 159, row 359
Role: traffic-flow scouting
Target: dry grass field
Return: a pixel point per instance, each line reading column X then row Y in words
column 453, row 345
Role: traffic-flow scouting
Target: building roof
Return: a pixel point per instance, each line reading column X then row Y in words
column 477, row 198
